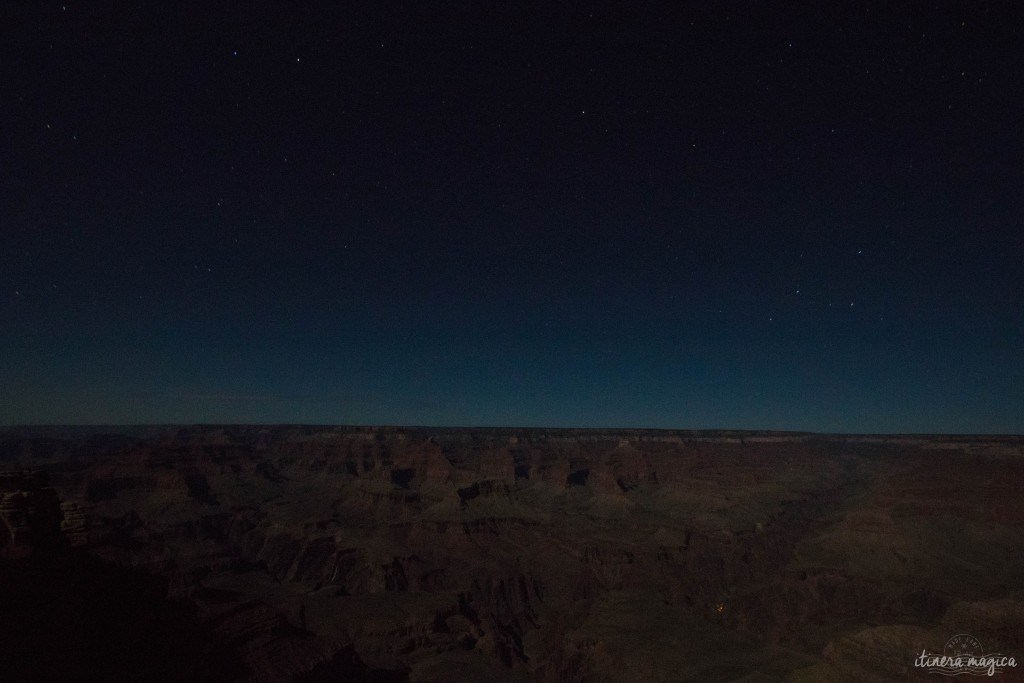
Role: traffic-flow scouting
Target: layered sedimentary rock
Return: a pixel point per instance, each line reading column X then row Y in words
column 309, row 553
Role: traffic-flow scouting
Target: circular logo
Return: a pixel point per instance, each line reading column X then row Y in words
column 963, row 645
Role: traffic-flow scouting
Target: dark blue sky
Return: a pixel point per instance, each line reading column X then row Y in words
column 727, row 215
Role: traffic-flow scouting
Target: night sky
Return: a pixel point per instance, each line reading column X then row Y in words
column 721, row 215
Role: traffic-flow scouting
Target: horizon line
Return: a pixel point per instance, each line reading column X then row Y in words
column 372, row 426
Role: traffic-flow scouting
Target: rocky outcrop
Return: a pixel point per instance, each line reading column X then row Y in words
column 29, row 514
column 75, row 523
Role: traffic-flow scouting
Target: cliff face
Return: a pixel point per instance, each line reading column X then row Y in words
column 550, row 555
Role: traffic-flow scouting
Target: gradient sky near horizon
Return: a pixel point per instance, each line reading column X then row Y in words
column 720, row 215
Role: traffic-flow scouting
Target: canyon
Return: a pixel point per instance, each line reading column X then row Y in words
column 315, row 553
